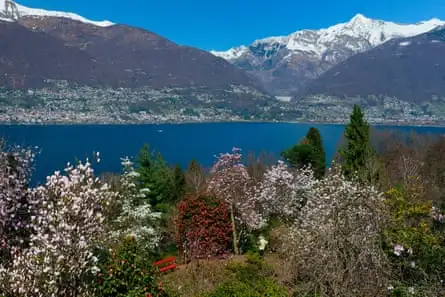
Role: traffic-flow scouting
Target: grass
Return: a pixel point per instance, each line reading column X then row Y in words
column 199, row 278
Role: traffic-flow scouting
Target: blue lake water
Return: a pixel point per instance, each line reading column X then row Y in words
column 177, row 143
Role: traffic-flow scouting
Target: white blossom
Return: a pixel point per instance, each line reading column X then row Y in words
column 262, row 242
column 339, row 216
column 398, row 249
column 283, row 191
column 437, row 215
column 67, row 224
column 136, row 217
column 15, row 171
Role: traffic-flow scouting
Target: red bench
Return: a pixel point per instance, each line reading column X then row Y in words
column 170, row 261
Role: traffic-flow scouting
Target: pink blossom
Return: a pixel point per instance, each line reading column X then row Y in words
column 398, row 249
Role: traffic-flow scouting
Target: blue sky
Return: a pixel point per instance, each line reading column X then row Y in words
column 220, row 25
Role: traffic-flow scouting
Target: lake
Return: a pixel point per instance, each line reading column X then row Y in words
column 178, row 143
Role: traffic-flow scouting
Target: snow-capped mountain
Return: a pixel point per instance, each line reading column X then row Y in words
column 410, row 69
column 286, row 63
column 10, row 10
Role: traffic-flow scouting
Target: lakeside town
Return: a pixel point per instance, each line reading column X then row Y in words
column 64, row 104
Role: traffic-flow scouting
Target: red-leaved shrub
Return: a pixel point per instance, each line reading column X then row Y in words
column 203, row 227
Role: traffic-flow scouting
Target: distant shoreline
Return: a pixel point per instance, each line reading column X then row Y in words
column 395, row 124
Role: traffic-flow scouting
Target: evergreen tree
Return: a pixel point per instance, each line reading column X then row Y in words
column 144, row 166
column 309, row 151
column 155, row 175
column 358, row 150
column 145, row 157
column 299, row 155
column 313, row 138
column 194, row 166
column 178, row 183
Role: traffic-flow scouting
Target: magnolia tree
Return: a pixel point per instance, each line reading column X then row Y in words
column 15, row 171
column 335, row 240
column 67, row 225
column 230, row 182
column 136, row 217
column 283, row 191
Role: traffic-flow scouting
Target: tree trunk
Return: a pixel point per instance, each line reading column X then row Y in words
column 235, row 239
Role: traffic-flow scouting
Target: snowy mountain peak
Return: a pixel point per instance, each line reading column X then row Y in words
column 359, row 34
column 360, row 19
column 284, row 64
column 10, row 10
column 433, row 21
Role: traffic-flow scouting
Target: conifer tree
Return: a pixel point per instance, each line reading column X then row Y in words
column 314, row 139
column 309, row 151
column 358, row 150
column 178, row 183
column 155, row 175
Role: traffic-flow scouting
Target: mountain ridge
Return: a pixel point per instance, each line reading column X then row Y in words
column 409, row 69
column 284, row 64
column 122, row 55
column 59, row 68
column 17, row 10
column 358, row 24
column 62, row 68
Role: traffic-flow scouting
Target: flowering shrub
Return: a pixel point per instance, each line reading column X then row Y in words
column 66, row 222
column 203, row 227
column 15, row 171
column 414, row 240
column 125, row 273
column 283, row 191
column 437, row 215
column 336, row 240
column 230, row 182
column 136, row 216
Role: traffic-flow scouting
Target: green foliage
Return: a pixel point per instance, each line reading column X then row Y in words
column 194, row 166
column 412, row 226
column 236, row 288
column 166, row 186
column 313, row 137
column 299, row 155
column 251, row 279
column 250, row 244
column 358, row 150
column 124, row 273
column 419, row 290
column 178, row 184
column 400, row 291
column 309, row 151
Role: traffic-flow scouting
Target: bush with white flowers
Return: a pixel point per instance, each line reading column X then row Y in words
column 283, row 191
column 67, row 216
column 336, row 240
column 15, row 170
column 136, row 216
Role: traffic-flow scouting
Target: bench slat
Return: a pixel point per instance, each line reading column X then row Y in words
column 171, row 266
column 167, row 260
